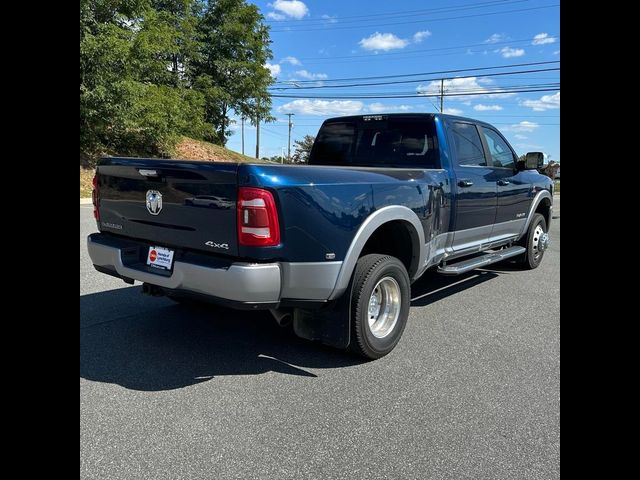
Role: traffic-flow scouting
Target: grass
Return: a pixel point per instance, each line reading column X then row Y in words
column 86, row 178
column 187, row 149
column 190, row 149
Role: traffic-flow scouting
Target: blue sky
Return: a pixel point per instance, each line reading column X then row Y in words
column 316, row 42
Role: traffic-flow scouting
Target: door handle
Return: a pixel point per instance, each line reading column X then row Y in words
column 465, row 183
column 502, row 183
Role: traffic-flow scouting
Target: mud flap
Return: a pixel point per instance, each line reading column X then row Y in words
column 329, row 325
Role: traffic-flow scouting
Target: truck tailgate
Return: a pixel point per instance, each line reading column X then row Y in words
column 170, row 203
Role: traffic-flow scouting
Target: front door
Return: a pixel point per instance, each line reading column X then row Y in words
column 513, row 189
column 476, row 192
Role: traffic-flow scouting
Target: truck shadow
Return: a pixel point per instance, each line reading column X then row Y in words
column 152, row 344
column 432, row 286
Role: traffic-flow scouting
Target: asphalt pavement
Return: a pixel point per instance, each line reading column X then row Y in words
column 471, row 391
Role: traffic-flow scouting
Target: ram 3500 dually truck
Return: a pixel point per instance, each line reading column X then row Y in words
column 332, row 246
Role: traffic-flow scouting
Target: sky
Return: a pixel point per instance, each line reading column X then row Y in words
column 317, row 43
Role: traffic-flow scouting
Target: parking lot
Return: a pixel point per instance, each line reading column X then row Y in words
column 471, row 391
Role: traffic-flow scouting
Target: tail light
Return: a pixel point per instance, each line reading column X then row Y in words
column 95, row 197
column 257, row 218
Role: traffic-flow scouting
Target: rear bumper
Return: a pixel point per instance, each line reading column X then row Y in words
column 238, row 284
column 246, row 283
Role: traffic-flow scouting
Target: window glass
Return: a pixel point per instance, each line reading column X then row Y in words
column 468, row 144
column 334, row 143
column 501, row 154
column 389, row 142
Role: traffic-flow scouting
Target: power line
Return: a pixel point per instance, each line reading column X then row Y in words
column 402, row 13
column 458, row 94
column 485, row 44
column 469, row 89
column 397, row 82
column 437, row 72
column 353, row 27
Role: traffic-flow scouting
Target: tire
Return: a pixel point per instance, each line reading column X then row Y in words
column 535, row 251
column 386, row 278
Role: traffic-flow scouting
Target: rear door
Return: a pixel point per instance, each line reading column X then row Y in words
column 170, row 203
column 513, row 189
column 475, row 204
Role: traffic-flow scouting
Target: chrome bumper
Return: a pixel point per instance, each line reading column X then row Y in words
column 239, row 282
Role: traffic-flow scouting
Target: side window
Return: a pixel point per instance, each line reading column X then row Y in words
column 501, row 154
column 468, row 144
column 399, row 143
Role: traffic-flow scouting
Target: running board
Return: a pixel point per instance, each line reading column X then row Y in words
column 481, row 261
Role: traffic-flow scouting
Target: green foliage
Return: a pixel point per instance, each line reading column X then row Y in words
column 230, row 70
column 149, row 73
column 303, row 149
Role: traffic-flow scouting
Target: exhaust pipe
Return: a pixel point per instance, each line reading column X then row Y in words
column 152, row 290
column 283, row 317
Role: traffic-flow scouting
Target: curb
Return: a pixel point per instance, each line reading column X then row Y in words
column 86, row 201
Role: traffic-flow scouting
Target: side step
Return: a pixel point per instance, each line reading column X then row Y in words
column 480, row 261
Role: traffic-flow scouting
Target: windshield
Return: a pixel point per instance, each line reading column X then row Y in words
column 381, row 141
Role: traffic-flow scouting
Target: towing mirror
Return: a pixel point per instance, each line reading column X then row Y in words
column 532, row 161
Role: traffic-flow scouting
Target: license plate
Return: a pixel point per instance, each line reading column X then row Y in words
column 159, row 257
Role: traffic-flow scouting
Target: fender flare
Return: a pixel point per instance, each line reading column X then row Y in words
column 368, row 227
column 534, row 205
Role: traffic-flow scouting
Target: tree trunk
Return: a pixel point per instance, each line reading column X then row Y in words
column 223, row 137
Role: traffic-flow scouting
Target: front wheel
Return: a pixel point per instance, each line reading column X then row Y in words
column 380, row 298
column 536, row 242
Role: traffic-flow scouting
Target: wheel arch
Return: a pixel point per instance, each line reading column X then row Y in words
column 390, row 218
column 541, row 196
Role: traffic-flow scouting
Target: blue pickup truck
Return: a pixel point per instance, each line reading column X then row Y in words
column 332, row 246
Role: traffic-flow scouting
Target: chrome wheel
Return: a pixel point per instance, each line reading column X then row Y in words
column 540, row 242
column 384, row 307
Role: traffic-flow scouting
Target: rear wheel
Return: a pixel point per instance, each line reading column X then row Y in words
column 380, row 298
column 535, row 241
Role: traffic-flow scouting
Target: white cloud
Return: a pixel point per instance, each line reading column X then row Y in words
column 275, row 16
column 524, row 126
column 529, row 146
column 274, row 69
column 557, row 52
column 322, row 107
column 546, row 102
column 311, row 76
column 329, row 18
column 480, row 88
column 420, row 36
column 291, row 60
column 542, row 39
column 520, row 136
column 453, row 111
column 378, row 107
column 486, row 108
column 290, row 8
column 382, row 41
column 495, row 38
column 508, row 52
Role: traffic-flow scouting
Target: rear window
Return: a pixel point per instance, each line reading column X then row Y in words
column 375, row 142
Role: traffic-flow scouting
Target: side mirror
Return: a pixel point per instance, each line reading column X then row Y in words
column 532, row 161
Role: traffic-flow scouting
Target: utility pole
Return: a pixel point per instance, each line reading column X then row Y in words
column 289, row 148
column 242, row 122
column 441, row 95
column 257, row 130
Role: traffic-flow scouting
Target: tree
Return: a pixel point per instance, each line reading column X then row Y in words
column 154, row 70
column 303, row 149
column 131, row 100
column 230, row 70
